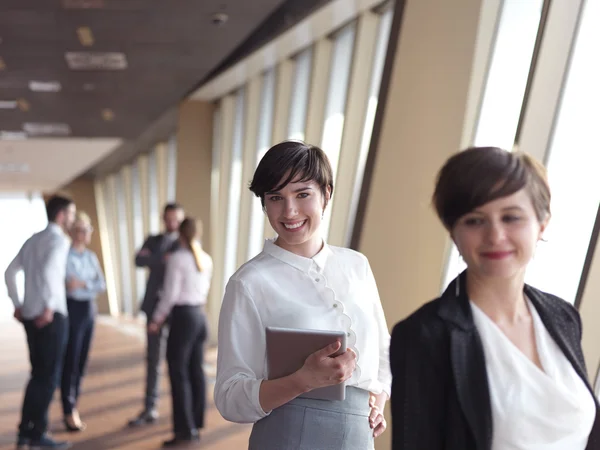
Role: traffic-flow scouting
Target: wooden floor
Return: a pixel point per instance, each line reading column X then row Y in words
column 112, row 394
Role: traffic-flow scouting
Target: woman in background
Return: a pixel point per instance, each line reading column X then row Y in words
column 187, row 281
column 84, row 282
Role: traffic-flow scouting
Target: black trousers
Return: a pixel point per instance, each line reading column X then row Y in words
column 185, row 355
column 81, row 330
column 46, row 352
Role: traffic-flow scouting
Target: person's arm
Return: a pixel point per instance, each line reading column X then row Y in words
column 98, row 284
column 418, row 388
column 379, row 399
column 53, row 256
column 173, row 283
column 147, row 256
column 10, row 277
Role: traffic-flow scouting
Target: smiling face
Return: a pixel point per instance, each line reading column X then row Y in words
column 295, row 213
column 498, row 239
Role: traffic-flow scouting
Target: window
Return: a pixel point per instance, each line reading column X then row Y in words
column 505, row 87
column 122, row 239
column 343, row 45
column 299, row 103
column 573, row 168
column 171, row 169
column 138, row 227
column 235, row 187
column 153, row 206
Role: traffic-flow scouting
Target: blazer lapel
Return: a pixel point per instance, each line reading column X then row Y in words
column 468, row 363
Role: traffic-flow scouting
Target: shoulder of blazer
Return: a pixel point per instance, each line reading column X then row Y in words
column 556, row 311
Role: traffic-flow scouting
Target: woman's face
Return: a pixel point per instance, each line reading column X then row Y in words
column 81, row 233
column 295, row 213
column 498, row 239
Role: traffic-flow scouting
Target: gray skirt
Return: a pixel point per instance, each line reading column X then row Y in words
column 308, row 424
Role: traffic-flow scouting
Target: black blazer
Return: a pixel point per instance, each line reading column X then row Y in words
column 440, row 394
column 155, row 261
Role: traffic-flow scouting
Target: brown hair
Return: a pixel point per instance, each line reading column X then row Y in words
column 287, row 161
column 479, row 175
column 190, row 230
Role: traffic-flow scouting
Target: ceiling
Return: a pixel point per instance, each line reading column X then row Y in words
column 141, row 58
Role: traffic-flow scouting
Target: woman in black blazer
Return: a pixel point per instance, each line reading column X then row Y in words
column 493, row 363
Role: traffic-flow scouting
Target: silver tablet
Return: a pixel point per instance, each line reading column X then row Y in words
column 288, row 348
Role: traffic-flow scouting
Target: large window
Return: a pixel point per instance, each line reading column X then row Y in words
column 265, row 130
column 171, row 169
column 505, row 87
column 573, row 167
column 235, row 187
column 123, row 243
column 299, row 103
column 153, row 206
column 331, row 142
column 138, row 227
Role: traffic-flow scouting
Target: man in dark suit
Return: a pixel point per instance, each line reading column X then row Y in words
column 154, row 254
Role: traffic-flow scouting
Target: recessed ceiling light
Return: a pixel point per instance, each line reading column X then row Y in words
column 14, row 168
column 8, row 104
column 96, row 60
column 82, row 4
column 46, row 129
column 85, row 36
column 12, row 135
column 108, row 114
column 219, row 19
column 45, row 86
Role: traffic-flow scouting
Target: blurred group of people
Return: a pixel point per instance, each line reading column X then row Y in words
column 491, row 364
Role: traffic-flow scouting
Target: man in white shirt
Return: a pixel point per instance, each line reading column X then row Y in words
column 43, row 312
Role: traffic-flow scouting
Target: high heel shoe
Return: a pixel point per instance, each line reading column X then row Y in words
column 75, row 425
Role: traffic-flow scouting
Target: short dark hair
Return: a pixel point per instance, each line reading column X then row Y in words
column 289, row 161
column 55, row 205
column 173, row 206
column 479, row 175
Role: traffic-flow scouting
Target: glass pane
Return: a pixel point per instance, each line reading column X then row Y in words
column 343, row 46
column 299, row 103
column 573, row 168
column 383, row 34
column 138, row 228
column 171, row 169
column 123, row 243
column 265, row 129
column 153, row 206
column 505, row 87
column 235, row 188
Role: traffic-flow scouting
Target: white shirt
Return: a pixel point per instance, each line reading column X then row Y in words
column 534, row 409
column 335, row 290
column 184, row 283
column 43, row 259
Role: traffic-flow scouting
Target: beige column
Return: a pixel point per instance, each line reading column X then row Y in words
column 423, row 117
column 142, row 163
column 162, row 163
column 130, row 270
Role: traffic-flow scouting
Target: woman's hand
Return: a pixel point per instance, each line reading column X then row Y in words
column 74, row 284
column 153, row 327
column 376, row 419
column 322, row 369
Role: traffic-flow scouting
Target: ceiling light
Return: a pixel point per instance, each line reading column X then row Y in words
column 14, row 168
column 108, row 114
column 96, row 60
column 45, row 86
column 8, row 104
column 23, row 104
column 83, row 4
column 12, row 135
column 46, row 129
column 85, row 35
column 219, row 19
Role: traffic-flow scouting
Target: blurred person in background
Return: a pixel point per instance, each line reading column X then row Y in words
column 153, row 255
column 43, row 312
column 85, row 281
column 187, row 281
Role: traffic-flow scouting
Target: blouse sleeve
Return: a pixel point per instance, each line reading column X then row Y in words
column 241, row 357
column 385, row 374
column 172, row 288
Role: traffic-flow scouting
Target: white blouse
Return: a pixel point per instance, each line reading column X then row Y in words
column 184, row 284
column 534, row 409
column 334, row 290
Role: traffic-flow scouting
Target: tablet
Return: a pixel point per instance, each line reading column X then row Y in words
column 288, row 348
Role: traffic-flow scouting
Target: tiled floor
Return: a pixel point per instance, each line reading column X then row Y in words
column 112, row 394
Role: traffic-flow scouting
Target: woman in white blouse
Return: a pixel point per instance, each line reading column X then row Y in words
column 493, row 364
column 298, row 281
column 187, row 281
